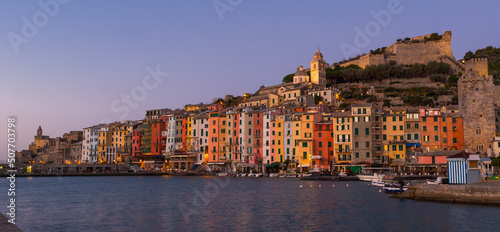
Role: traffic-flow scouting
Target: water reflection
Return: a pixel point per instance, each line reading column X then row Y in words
column 257, row 204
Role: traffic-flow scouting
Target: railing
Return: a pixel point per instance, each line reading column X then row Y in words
column 257, row 135
column 343, row 150
column 257, row 144
column 316, row 157
column 397, row 141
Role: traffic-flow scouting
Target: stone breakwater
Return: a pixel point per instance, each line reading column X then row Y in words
column 5, row 226
column 482, row 193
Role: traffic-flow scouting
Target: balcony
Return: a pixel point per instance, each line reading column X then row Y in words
column 257, row 144
column 316, row 157
column 397, row 141
column 222, row 158
column 257, row 135
column 343, row 151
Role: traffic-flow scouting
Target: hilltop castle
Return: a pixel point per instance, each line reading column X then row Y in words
column 420, row 49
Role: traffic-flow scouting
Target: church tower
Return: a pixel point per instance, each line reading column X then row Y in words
column 318, row 69
column 39, row 132
column 476, row 104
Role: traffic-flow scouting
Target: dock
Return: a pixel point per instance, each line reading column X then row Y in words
column 331, row 178
column 480, row 193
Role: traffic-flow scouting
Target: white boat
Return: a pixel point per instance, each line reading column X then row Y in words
column 378, row 183
column 439, row 180
column 273, row 175
column 375, row 176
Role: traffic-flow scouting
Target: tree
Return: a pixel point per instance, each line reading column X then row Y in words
column 317, row 99
column 387, row 103
column 453, row 80
column 288, row 78
column 496, row 162
column 468, row 55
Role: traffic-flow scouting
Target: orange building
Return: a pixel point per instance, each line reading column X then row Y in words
column 441, row 131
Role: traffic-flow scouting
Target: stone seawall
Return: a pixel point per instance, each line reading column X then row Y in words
column 484, row 193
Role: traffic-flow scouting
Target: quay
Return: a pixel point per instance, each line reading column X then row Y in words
column 7, row 226
column 331, row 178
column 487, row 193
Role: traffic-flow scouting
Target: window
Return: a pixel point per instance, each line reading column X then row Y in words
column 400, row 147
column 435, row 118
column 401, row 127
column 384, row 127
column 367, row 131
column 355, row 131
column 320, row 144
column 400, row 118
column 393, row 119
column 367, row 144
column 415, row 136
column 329, row 144
column 384, row 137
column 454, row 128
column 304, row 144
column 408, row 126
column 424, row 128
column 357, row 154
column 454, row 120
column 384, row 119
column 424, row 119
column 436, row 138
column 444, row 129
column 393, row 128
column 408, row 137
column 416, row 125
column 304, row 155
column 356, row 144
column 319, row 134
column 436, row 128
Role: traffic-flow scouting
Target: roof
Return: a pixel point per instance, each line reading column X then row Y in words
column 300, row 72
column 462, row 154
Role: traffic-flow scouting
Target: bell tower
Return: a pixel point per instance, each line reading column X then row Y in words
column 39, row 132
column 318, row 69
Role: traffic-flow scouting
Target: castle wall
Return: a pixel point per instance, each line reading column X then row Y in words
column 406, row 53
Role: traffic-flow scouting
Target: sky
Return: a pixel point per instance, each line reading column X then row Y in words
column 66, row 65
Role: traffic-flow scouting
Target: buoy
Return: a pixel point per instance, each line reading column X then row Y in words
column 311, row 186
column 380, row 190
column 275, row 186
column 333, row 185
column 319, row 185
column 347, row 185
column 301, row 186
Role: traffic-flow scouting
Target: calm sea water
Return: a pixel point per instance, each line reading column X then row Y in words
column 123, row 203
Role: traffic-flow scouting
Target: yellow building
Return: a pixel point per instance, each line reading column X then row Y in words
column 303, row 131
column 393, row 134
column 342, row 137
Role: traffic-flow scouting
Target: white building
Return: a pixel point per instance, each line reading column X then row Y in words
column 89, row 144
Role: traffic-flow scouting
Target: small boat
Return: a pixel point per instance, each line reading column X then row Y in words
column 273, row 175
column 378, row 183
column 439, row 180
column 394, row 188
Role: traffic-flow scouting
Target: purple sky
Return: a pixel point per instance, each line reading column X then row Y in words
column 72, row 71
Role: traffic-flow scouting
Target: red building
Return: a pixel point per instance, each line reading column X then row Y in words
column 322, row 158
column 256, row 157
column 136, row 145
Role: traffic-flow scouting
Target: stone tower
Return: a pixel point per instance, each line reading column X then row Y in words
column 318, row 69
column 476, row 104
column 39, row 132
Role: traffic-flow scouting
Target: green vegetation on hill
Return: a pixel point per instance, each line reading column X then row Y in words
column 354, row 73
column 493, row 56
column 288, row 78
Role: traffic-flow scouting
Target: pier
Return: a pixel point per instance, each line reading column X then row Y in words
column 479, row 193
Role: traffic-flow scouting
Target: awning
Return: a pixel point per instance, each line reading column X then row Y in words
column 413, row 144
column 273, row 165
column 303, row 166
